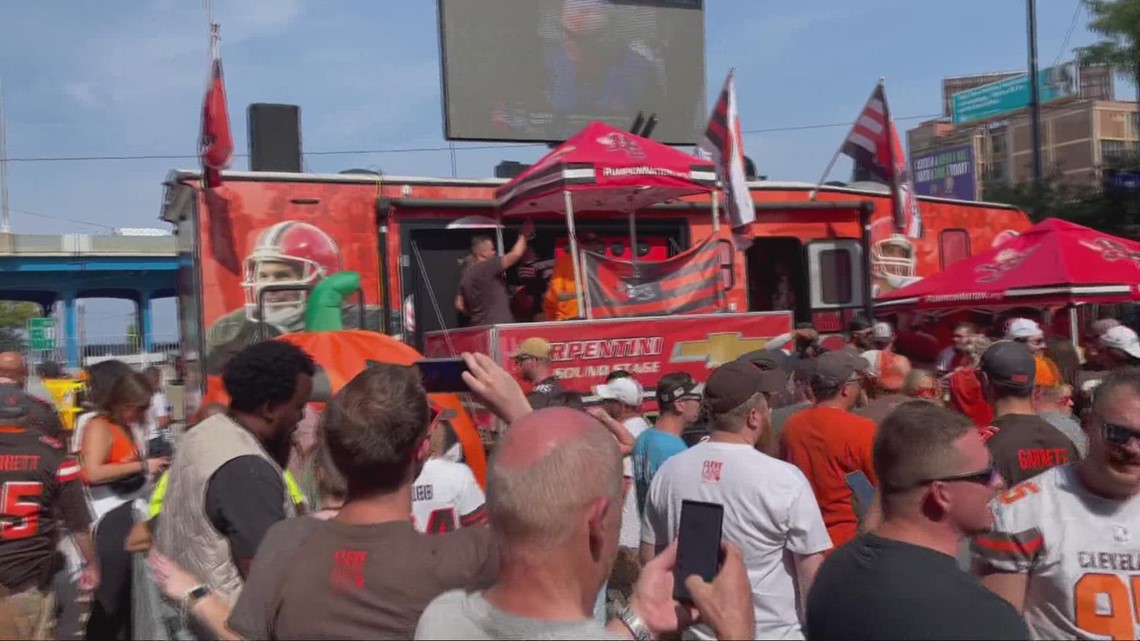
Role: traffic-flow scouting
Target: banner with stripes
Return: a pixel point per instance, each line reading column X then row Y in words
column 688, row 283
column 724, row 145
column 874, row 145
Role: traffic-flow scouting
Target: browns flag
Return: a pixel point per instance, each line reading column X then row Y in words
column 687, row 283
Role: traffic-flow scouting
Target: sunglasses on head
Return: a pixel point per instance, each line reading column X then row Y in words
column 1119, row 435
column 926, row 392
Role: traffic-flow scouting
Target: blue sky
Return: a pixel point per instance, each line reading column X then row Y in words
column 126, row 78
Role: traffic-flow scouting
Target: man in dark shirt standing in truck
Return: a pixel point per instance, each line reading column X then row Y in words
column 483, row 289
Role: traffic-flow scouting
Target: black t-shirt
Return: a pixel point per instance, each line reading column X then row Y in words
column 1026, row 445
column 245, row 498
column 877, row 588
column 484, row 292
column 39, row 485
column 18, row 408
column 543, row 392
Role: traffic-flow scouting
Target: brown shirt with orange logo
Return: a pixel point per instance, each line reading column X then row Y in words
column 1026, row 445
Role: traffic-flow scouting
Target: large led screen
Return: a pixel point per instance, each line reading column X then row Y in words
column 540, row 70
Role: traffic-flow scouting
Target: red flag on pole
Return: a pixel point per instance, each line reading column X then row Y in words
column 216, row 146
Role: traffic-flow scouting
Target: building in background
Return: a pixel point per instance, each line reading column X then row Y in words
column 1080, row 133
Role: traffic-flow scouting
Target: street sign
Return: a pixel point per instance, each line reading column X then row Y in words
column 41, row 334
column 1012, row 94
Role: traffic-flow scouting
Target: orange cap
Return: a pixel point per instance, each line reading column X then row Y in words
column 1048, row 374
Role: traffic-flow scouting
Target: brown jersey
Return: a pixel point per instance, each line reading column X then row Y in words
column 39, row 485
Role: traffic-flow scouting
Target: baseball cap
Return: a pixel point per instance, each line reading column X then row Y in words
column 859, row 323
column 625, row 390
column 882, row 330
column 534, row 347
column 1011, row 365
column 1122, row 338
column 671, row 390
column 766, row 359
column 734, row 383
column 1023, row 328
column 836, row 368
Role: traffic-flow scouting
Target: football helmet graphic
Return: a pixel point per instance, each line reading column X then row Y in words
column 288, row 253
column 893, row 257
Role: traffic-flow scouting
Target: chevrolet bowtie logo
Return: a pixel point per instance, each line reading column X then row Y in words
column 716, row 350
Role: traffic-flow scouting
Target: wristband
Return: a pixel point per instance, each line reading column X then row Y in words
column 634, row 623
column 192, row 596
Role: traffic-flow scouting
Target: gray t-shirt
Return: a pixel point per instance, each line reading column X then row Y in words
column 1068, row 426
column 252, row 613
column 467, row 615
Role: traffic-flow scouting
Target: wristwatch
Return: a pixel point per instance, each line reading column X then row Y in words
column 636, row 625
column 192, row 596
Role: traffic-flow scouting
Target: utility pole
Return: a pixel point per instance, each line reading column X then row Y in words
column 1034, row 95
column 5, row 218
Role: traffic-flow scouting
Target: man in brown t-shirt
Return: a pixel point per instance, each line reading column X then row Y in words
column 367, row 573
column 483, row 292
column 1023, row 444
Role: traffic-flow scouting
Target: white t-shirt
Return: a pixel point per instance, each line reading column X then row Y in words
column 1081, row 553
column 446, row 497
column 630, row 520
column 769, row 512
column 157, row 410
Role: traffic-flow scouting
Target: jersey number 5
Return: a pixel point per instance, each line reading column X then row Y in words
column 1120, row 619
column 21, row 517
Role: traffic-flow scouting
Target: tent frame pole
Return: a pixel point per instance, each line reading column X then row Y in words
column 583, row 311
column 1074, row 333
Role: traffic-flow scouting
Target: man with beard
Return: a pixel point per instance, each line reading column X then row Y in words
column 1065, row 549
column 936, row 483
column 861, row 337
column 226, row 487
column 533, row 361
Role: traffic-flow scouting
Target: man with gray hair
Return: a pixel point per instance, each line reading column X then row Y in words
column 936, row 483
column 769, row 509
column 554, row 498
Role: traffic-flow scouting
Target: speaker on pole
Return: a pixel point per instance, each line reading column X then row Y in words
column 274, row 137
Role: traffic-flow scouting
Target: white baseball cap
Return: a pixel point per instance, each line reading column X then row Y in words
column 1122, row 338
column 882, row 330
column 1023, row 328
column 625, row 390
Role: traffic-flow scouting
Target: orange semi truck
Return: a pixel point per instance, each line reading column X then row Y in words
column 251, row 248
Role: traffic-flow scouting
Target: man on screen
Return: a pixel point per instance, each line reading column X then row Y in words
column 592, row 71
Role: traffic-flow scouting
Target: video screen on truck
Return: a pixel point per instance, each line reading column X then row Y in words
column 543, row 69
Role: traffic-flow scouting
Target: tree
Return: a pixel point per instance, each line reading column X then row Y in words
column 14, row 315
column 1117, row 22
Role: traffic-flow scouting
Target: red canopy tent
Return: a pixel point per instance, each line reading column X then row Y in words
column 1053, row 263
column 603, row 168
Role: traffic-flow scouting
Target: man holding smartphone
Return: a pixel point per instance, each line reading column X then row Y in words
column 769, row 508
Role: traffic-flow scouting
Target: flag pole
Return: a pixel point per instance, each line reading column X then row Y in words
column 896, row 204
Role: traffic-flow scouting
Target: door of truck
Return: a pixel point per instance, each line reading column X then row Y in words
column 835, row 281
column 776, row 276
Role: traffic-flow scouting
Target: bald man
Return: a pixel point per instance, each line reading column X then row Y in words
column 19, row 408
column 554, row 497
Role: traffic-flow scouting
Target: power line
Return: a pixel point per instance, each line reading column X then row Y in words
column 60, row 218
column 404, row 150
column 1069, row 33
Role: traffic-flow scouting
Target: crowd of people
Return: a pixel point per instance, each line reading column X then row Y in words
column 996, row 496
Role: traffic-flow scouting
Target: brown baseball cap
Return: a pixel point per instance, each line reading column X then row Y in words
column 836, row 368
column 734, row 383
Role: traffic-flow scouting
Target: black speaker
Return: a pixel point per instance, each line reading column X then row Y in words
column 274, row 137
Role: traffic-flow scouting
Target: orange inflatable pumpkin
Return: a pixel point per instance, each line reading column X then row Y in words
column 344, row 353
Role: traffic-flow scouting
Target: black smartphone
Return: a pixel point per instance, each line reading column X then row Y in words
column 698, row 544
column 443, row 374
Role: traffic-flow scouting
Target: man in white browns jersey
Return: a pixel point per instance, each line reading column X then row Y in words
column 1065, row 550
column 446, row 495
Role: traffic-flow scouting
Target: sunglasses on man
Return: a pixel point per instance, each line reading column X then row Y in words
column 986, row 477
column 1119, row 435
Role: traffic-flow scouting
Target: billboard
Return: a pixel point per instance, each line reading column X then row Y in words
column 255, row 234
column 947, row 173
column 1012, row 94
column 540, row 70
